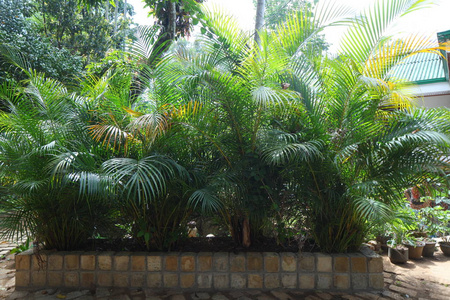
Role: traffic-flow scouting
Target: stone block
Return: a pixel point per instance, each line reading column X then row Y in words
column 23, row 262
column 187, row 280
column 341, row 263
column 171, row 262
column 288, row 262
column 154, row 263
column 105, row 261
column 221, row 281
column 138, row 262
column 237, row 262
column 272, row 281
column 376, row 281
column 71, row 262
column 39, row 262
column 154, row 280
column 120, row 279
column 55, row 279
column 137, row 279
column 238, row 281
column 104, row 279
column 170, row 280
column 205, row 262
column 255, row 281
column 38, row 278
column 289, row 281
column 121, row 262
column 220, row 262
column 87, row 279
column 341, row 281
column 254, row 262
column 306, row 281
column 306, row 262
column 55, row 262
column 375, row 264
column 71, row 279
column 358, row 264
column 271, row 262
column 324, row 263
column 187, row 263
column 22, row 278
column 88, row 262
column 324, row 281
column 359, row 281
column 204, row 281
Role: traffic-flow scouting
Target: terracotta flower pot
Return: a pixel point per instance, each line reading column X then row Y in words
column 415, row 251
column 428, row 250
column 445, row 247
column 398, row 255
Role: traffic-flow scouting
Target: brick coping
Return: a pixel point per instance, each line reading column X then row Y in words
column 200, row 271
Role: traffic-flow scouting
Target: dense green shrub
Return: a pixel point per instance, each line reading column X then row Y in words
column 264, row 136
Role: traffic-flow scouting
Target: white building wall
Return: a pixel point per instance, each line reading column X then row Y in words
column 433, row 94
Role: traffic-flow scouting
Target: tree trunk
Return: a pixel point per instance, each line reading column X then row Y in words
column 116, row 13
column 246, row 239
column 172, row 26
column 260, row 9
column 107, row 11
column 125, row 10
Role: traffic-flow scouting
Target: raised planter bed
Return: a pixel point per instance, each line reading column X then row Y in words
column 200, row 271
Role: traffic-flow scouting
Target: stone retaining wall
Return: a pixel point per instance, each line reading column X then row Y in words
column 200, row 271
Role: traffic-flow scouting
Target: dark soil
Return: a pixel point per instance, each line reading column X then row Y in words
column 203, row 244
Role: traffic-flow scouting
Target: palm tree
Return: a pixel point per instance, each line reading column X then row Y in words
column 355, row 142
column 237, row 89
column 42, row 133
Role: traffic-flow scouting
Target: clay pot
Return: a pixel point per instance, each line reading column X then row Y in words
column 398, row 255
column 428, row 250
column 445, row 247
column 382, row 239
column 415, row 251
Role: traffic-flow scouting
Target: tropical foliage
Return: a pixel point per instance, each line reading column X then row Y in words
column 272, row 138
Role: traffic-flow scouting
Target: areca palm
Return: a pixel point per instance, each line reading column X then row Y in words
column 151, row 187
column 239, row 89
column 352, row 147
column 43, row 130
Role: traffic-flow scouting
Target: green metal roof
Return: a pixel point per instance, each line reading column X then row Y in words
column 421, row 68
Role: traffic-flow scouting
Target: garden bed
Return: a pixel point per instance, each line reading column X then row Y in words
column 200, row 271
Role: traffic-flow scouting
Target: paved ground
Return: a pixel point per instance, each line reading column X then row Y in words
column 422, row 279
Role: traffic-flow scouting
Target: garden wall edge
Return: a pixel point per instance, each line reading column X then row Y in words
column 200, row 271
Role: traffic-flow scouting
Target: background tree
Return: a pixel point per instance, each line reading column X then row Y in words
column 21, row 36
column 176, row 18
column 278, row 11
column 84, row 30
column 57, row 38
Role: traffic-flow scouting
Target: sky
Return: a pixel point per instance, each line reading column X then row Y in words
column 427, row 21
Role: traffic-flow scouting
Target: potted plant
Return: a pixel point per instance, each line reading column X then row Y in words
column 397, row 252
column 438, row 225
column 429, row 248
column 415, row 246
column 445, row 245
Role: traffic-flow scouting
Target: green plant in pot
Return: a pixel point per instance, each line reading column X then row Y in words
column 430, row 217
column 415, row 246
column 441, row 221
column 445, row 245
column 397, row 252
